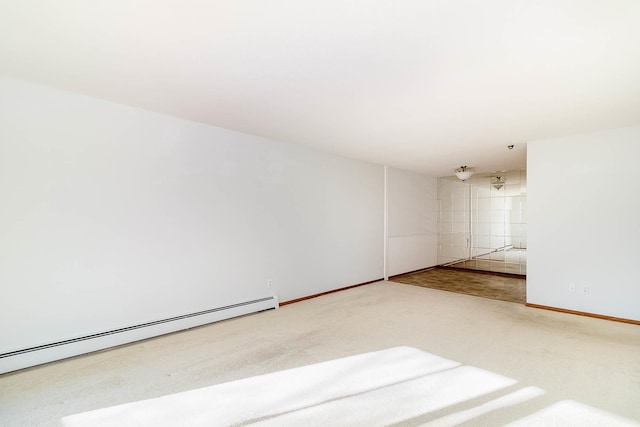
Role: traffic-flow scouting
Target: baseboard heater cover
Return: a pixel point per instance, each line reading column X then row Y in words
column 37, row 355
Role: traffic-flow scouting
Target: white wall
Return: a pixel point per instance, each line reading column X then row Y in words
column 412, row 222
column 584, row 222
column 113, row 216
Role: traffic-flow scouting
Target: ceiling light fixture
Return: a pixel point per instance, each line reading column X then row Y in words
column 497, row 182
column 464, row 172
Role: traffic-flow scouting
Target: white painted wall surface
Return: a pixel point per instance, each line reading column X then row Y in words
column 413, row 221
column 584, row 222
column 113, row 216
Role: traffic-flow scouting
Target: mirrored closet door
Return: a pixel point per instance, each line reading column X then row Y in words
column 482, row 222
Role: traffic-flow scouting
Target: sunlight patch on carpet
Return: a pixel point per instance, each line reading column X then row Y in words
column 572, row 413
column 393, row 386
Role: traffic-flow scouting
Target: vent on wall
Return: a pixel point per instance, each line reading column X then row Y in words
column 36, row 355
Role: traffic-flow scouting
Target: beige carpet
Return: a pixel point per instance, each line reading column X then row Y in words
column 509, row 365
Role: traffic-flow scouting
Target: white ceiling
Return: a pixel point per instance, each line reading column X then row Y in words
column 424, row 85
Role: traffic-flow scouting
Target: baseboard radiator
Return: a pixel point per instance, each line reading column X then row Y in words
column 49, row 352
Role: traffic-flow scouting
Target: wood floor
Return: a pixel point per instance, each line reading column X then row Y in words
column 484, row 285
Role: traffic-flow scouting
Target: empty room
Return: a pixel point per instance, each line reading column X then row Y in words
column 336, row 213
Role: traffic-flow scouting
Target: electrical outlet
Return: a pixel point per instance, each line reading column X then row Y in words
column 586, row 290
column 572, row 287
column 269, row 283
